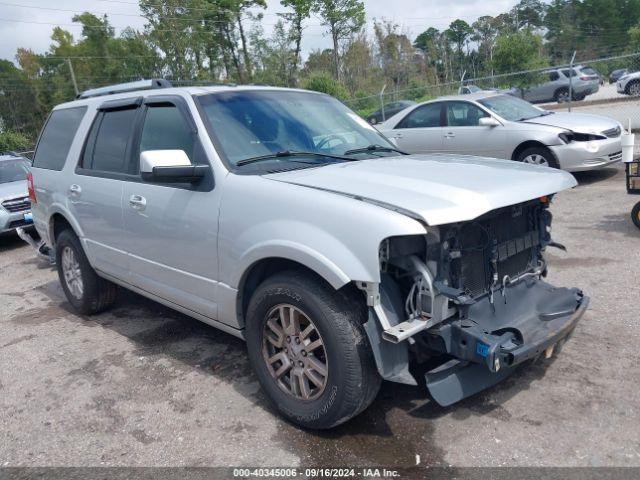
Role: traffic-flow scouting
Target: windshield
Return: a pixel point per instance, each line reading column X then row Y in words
column 512, row 108
column 249, row 124
column 13, row 170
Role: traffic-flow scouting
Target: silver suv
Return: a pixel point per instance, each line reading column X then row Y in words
column 281, row 217
column 584, row 81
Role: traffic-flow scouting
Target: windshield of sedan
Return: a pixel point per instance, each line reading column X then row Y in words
column 511, row 108
column 253, row 123
column 13, row 170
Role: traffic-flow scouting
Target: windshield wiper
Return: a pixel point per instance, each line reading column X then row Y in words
column 543, row 114
column 288, row 153
column 374, row 148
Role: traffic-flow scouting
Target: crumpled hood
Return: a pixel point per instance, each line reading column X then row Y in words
column 13, row 190
column 436, row 189
column 578, row 122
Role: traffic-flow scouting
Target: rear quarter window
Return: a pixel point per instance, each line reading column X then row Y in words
column 56, row 138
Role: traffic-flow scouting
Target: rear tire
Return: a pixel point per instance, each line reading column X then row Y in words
column 635, row 214
column 350, row 381
column 85, row 290
column 538, row 156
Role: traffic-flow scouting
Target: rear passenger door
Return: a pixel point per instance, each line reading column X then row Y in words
column 420, row 131
column 95, row 191
column 171, row 229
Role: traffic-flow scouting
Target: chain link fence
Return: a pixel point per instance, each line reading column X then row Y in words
column 587, row 87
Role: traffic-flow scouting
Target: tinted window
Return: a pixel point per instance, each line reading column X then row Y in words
column 427, row 116
column 56, row 138
column 111, row 130
column 553, row 76
column 589, row 71
column 165, row 129
column 464, row 114
column 566, row 72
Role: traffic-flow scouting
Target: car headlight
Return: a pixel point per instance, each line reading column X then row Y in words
column 568, row 137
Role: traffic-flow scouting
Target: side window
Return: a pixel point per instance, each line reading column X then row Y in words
column 106, row 149
column 569, row 73
column 427, row 116
column 56, row 138
column 553, row 76
column 464, row 114
column 165, row 129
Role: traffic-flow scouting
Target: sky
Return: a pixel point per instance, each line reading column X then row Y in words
column 29, row 23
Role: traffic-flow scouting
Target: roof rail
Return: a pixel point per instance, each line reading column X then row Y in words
column 126, row 87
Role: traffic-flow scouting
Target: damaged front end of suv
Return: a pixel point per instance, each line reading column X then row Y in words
column 470, row 298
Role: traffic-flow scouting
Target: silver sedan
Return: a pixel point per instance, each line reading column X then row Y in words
column 502, row 126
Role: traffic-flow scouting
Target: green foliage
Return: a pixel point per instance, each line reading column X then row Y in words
column 325, row 84
column 14, row 141
column 223, row 41
column 520, row 50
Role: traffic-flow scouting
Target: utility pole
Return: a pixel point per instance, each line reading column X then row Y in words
column 573, row 59
column 382, row 102
column 73, row 76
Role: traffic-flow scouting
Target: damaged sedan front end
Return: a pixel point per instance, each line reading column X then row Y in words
column 471, row 298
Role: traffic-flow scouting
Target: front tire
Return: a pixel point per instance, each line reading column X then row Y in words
column 307, row 345
column 85, row 290
column 538, row 156
column 633, row 88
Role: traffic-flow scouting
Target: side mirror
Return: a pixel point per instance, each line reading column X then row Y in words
column 489, row 122
column 170, row 166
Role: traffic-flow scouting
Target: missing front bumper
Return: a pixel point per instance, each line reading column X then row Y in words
column 524, row 323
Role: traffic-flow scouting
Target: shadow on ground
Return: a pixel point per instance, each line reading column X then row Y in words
column 391, row 432
column 595, row 176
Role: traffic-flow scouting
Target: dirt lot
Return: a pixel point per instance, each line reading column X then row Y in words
column 143, row 385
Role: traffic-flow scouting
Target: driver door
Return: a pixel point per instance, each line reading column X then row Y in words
column 172, row 229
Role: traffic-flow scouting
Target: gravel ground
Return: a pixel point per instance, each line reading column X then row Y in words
column 145, row 386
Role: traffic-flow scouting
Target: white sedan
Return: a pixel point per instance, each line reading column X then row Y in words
column 502, row 126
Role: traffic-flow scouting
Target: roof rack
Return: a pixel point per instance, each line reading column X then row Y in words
column 126, row 87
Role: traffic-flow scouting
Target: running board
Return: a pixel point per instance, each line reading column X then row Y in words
column 42, row 250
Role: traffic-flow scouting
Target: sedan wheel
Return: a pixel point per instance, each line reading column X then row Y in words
column 634, row 89
column 536, row 159
column 294, row 352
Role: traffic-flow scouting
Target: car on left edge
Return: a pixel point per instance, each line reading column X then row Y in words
column 15, row 207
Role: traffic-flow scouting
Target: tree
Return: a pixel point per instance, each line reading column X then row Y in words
column 458, row 33
column 516, row 52
column 301, row 11
column 14, row 142
column 344, row 18
column 529, row 14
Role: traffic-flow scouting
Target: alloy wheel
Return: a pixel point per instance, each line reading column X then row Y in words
column 72, row 273
column 294, row 352
column 563, row 97
column 535, row 159
column 634, row 89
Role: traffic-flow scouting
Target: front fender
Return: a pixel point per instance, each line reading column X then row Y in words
column 296, row 252
column 336, row 236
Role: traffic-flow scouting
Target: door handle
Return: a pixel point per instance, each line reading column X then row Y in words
column 450, row 135
column 74, row 190
column 138, row 202
column 398, row 135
